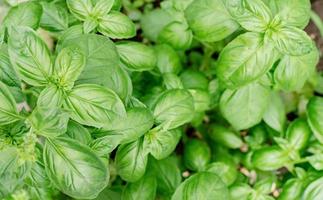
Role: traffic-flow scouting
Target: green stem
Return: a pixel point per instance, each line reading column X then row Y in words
column 317, row 21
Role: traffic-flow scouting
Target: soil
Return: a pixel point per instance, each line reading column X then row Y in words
column 312, row 30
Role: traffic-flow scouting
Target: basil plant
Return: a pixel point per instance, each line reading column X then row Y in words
column 171, row 100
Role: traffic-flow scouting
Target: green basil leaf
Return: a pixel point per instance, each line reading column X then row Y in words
column 226, row 170
column 293, row 71
column 168, row 60
column 172, row 81
column 145, row 188
column 102, row 146
column 168, row 180
column 136, row 56
column 201, row 99
column 102, row 7
column 78, row 132
column 49, row 122
column 24, row 14
column 117, row 26
column 291, row 41
column 94, row 105
column 203, row 185
column 245, row 59
column 69, row 65
column 177, row 35
column 7, row 73
column 241, row 191
column 81, row 9
column 89, row 25
column 8, row 106
column 131, row 160
column 30, row 56
column 270, row 158
column 74, row 168
column 252, row 15
column 51, row 97
column 242, row 107
column 294, row 12
column 314, row 114
column 154, row 21
column 193, row 79
column 197, row 155
column 54, row 17
column 210, row 20
column 174, row 108
column 314, row 190
column 292, row 189
column 298, row 134
column 161, row 144
column 226, row 137
column 102, row 63
column 275, row 115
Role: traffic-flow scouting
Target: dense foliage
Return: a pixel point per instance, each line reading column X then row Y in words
column 143, row 100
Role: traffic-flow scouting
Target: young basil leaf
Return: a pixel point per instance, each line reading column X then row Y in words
column 74, row 168
column 197, row 155
column 242, row 107
column 226, row 170
column 225, row 137
column 314, row 190
column 210, row 20
column 49, row 122
column 145, row 188
column 291, row 41
column 203, row 185
column 102, row 63
column 177, row 35
column 30, row 56
column 153, row 22
column 253, row 15
column 201, row 100
column 94, row 105
column 136, row 56
column 275, row 115
column 117, row 26
column 298, row 134
column 160, row 143
column 292, row 189
column 294, row 12
column 168, row 60
column 270, row 158
column 8, row 106
column 89, row 25
column 245, row 59
column 131, row 161
column 24, row 14
column 168, row 180
column 78, row 132
column 314, row 116
column 54, row 17
column 174, row 108
column 102, row 7
column 50, row 97
column 172, row 81
column 7, row 73
column 293, row 71
column 241, row 191
column 81, row 9
column 193, row 79
column 69, row 65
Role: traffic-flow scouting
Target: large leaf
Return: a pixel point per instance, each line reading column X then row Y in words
column 209, row 20
column 102, row 63
column 245, row 107
column 245, row 59
column 8, row 107
column 94, row 105
column 74, row 169
column 314, row 191
column 54, row 17
column 314, row 116
column 174, row 108
column 30, row 56
column 203, row 185
column 131, row 161
column 7, row 73
column 275, row 115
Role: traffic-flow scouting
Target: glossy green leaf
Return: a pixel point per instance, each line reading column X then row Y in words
column 210, row 20
column 270, row 158
column 94, row 105
column 131, row 161
column 226, row 137
column 168, row 60
column 298, row 134
column 145, row 188
column 8, row 108
column 102, row 7
column 74, row 168
column 117, row 26
column 243, row 107
column 197, row 155
column 30, row 56
column 314, row 116
column 81, row 9
column 245, row 59
column 201, row 99
column 78, row 132
column 172, row 81
column 203, row 185
column 314, row 190
column 225, row 170
column 136, row 56
column 275, row 115
column 54, row 17
column 51, row 97
column 7, row 73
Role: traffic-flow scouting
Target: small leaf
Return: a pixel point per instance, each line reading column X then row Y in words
column 51, row 96
column 145, row 188
column 102, row 7
column 81, row 9
column 168, row 60
column 197, row 155
column 54, row 17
